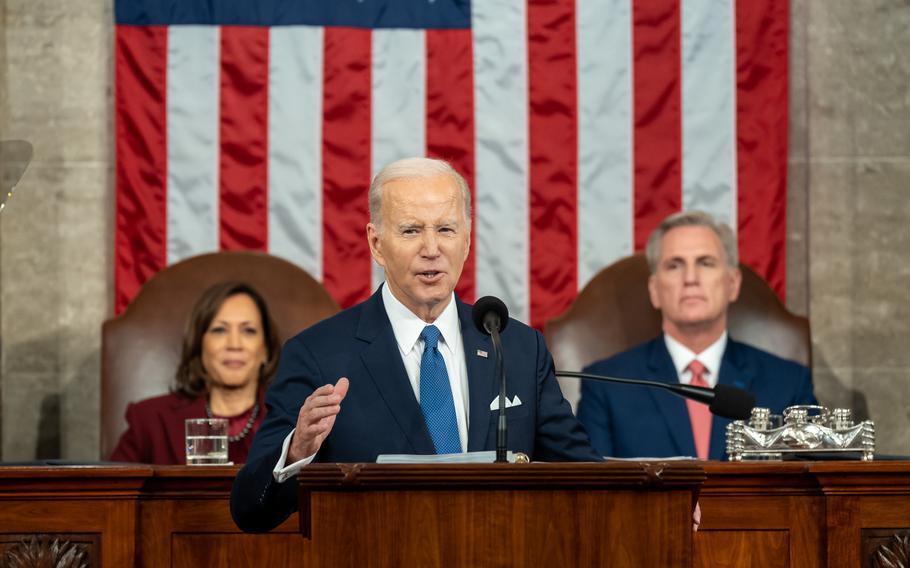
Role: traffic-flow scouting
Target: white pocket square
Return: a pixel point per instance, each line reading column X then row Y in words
column 509, row 403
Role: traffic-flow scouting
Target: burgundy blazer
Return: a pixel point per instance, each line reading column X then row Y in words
column 155, row 433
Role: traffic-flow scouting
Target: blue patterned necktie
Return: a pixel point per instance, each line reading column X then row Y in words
column 436, row 395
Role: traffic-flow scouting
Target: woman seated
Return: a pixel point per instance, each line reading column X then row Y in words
column 230, row 352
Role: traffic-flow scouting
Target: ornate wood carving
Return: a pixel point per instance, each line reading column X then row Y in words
column 46, row 551
column 893, row 552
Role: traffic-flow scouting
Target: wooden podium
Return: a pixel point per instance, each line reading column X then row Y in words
column 614, row 514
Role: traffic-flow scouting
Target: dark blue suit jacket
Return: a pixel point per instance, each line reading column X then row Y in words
column 381, row 415
column 635, row 421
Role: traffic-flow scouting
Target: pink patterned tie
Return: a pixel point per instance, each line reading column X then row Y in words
column 699, row 413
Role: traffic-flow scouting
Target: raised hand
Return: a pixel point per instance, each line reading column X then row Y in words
column 316, row 418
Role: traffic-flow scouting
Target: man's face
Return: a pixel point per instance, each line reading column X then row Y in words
column 423, row 242
column 693, row 283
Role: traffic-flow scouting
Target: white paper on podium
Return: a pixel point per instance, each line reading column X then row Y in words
column 645, row 458
column 466, row 457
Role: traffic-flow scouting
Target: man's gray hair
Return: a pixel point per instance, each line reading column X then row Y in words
column 692, row 219
column 415, row 168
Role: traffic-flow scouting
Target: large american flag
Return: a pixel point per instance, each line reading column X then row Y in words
column 579, row 124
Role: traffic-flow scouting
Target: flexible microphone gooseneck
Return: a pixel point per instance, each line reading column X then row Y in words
column 491, row 316
column 722, row 400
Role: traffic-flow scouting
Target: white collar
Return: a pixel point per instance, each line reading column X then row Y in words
column 710, row 357
column 407, row 326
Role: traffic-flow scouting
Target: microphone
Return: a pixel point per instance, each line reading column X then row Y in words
column 722, row 400
column 491, row 316
column 490, row 312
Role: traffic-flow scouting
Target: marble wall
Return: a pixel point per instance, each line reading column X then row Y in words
column 847, row 212
column 858, row 167
column 3, row 128
column 55, row 233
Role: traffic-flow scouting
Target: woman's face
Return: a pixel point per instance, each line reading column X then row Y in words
column 233, row 347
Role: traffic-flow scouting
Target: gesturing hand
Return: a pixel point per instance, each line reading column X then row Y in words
column 316, row 418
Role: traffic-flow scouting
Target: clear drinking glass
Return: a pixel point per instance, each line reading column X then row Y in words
column 206, row 441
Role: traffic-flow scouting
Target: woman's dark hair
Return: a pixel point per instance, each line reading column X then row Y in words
column 192, row 379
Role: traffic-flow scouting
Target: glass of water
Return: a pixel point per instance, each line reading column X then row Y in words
column 206, row 441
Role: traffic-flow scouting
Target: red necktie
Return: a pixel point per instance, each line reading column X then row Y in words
column 699, row 413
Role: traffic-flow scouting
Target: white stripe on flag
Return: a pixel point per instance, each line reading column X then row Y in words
column 398, row 112
column 708, row 51
column 192, row 140
column 295, row 146
column 501, row 147
column 605, row 185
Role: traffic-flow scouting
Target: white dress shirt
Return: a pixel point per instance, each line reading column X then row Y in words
column 710, row 358
column 407, row 328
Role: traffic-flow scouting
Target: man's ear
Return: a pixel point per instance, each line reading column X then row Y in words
column 652, row 292
column 736, row 281
column 375, row 246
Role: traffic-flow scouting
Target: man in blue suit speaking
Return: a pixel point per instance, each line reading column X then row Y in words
column 404, row 372
column 694, row 277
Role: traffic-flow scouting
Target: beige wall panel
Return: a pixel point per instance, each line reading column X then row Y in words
column 55, row 233
column 859, row 184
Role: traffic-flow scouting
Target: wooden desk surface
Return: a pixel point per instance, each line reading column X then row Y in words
column 800, row 514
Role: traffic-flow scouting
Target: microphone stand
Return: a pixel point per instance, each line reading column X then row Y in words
column 703, row 395
column 723, row 400
column 490, row 317
column 500, row 373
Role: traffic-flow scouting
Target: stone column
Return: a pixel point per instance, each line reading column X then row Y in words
column 858, row 104
column 797, row 165
column 55, row 242
column 4, row 73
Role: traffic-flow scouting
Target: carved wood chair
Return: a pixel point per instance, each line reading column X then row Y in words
column 141, row 347
column 614, row 313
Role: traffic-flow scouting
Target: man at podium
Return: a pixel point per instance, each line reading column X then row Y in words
column 404, row 372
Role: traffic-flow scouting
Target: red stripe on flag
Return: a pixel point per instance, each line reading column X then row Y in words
column 346, row 164
column 244, row 134
column 450, row 119
column 140, row 242
column 553, row 146
column 761, row 133
column 657, row 123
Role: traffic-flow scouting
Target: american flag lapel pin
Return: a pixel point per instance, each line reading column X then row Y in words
column 481, row 353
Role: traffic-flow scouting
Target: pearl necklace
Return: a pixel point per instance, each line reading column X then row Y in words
column 247, row 427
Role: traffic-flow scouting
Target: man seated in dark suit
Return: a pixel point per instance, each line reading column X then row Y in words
column 694, row 277
column 404, row 372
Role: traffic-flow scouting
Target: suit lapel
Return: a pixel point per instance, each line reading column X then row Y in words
column 672, row 409
column 481, row 386
column 735, row 372
column 385, row 367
